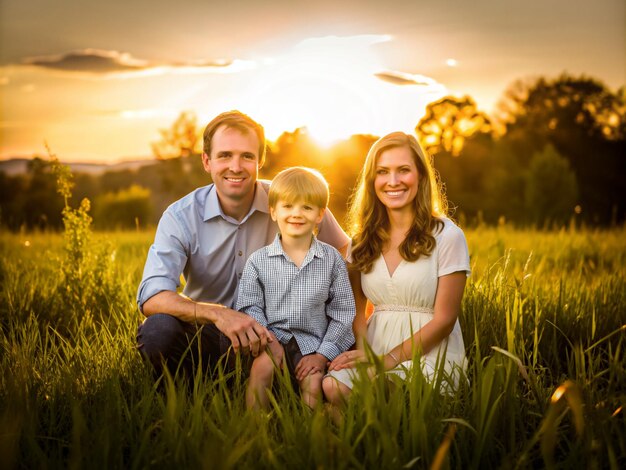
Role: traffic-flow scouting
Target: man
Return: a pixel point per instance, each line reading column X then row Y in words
column 207, row 237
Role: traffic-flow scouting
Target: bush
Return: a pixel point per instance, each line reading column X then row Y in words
column 123, row 209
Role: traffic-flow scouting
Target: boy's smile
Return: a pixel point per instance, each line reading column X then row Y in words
column 296, row 219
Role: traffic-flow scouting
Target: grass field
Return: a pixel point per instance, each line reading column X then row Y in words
column 543, row 318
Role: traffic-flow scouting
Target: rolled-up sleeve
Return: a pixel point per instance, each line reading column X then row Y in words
column 251, row 298
column 166, row 260
column 340, row 310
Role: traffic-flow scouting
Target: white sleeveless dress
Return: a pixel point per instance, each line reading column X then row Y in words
column 403, row 303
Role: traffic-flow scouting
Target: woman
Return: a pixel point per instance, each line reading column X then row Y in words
column 411, row 262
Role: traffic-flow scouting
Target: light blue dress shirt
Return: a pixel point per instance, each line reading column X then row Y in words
column 196, row 239
column 312, row 303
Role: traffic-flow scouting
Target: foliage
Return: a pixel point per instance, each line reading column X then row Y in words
column 542, row 318
column 448, row 122
column 128, row 208
column 180, row 140
column 565, row 103
column 484, row 172
column 551, row 189
column 30, row 201
column 584, row 121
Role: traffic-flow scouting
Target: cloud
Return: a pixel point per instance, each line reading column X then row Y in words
column 102, row 62
column 403, row 79
column 90, row 60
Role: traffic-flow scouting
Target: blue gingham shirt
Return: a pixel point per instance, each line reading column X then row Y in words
column 313, row 303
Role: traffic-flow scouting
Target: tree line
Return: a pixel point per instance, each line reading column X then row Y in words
column 554, row 152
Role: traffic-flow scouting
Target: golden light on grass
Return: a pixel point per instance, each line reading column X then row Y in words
column 567, row 395
column 558, row 394
column 444, row 448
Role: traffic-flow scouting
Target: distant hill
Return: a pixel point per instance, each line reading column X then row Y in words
column 16, row 166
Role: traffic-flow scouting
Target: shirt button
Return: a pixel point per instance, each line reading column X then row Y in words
column 240, row 253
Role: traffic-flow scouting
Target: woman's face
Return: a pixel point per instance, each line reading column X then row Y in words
column 396, row 178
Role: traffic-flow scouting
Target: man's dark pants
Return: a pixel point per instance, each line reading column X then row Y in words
column 164, row 339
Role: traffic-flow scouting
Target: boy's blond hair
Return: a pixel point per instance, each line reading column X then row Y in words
column 299, row 183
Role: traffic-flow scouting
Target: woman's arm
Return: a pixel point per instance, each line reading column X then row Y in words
column 447, row 309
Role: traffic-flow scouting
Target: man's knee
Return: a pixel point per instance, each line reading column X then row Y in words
column 159, row 336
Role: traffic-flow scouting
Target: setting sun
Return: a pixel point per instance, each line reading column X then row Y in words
column 329, row 85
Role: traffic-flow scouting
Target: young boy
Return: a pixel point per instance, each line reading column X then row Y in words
column 298, row 288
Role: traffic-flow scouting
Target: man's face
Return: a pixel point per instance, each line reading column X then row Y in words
column 234, row 166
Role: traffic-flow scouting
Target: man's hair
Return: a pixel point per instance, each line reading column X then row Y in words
column 299, row 184
column 235, row 120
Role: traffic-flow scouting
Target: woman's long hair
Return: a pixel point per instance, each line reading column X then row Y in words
column 368, row 222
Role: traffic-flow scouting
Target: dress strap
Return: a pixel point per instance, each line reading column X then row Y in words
column 402, row 308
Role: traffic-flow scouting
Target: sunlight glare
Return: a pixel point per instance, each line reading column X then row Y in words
column 139, row 113
column 328, row 85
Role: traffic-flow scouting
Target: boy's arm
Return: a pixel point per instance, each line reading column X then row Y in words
column 340, row 311
column 251, row 297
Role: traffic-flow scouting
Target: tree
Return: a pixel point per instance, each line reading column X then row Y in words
column 551, row 189
column 449, row 122
column 40, row 205
column 180, row 140
column 504, row 185
column 548, row 107
column 297, row 148
column 179, row 154
column 12, row 192
column 585, row 122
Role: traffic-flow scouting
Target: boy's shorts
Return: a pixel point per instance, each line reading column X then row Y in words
column 292, row 356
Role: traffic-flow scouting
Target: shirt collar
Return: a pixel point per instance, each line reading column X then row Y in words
column 276, row 248
column 260, row 203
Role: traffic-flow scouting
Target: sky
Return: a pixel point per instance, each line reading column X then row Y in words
column 95, row 81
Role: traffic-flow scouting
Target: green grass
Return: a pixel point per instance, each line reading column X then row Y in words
column 543, row 321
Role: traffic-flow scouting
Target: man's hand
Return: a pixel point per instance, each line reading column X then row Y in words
column 310, row 364
column 244, row 332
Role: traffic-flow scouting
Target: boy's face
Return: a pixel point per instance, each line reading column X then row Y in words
column 296, row 219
